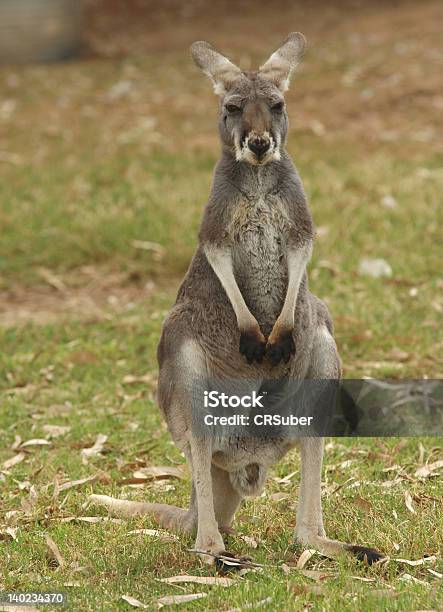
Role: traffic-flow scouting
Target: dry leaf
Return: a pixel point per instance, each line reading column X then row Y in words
column 10, row 533
column 286, row 479
column 171, row 600
column 136, row 482
column 422, row 561
column 134, row 602
column 29, row 503
column 9, row 463
column 249, row 541
column 145, row 245
column 387, row 484
column 35, row 442
column 54, row 554
column 54, row 431
column 95, row 449
column 210, row 580
column 52, row 279
column 278, row 496
column 409, row 578
column 154, row 533
column 304, row 557
column 316, row 575
column 130, row 379
column 427, row 470
column 11, row 515
column 91, row 519
column 77, row 483
column 409, row 502
column 388, row 201
column 160, row 472
column 376, row 268
column 396, row 354
column 17, row 441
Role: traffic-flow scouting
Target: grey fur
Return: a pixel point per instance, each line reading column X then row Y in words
column 237, row 292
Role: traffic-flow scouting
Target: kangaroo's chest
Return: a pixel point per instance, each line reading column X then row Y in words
column 258, row 233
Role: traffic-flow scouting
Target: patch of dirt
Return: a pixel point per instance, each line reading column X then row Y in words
column 102, row 297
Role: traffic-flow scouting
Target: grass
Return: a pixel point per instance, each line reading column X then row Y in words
column 77, row 379
column 101, row 197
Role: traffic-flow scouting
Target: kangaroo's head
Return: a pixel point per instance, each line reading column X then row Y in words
column 253, row 120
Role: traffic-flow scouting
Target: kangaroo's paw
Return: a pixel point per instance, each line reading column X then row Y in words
column 280, row 345
column 252, row 345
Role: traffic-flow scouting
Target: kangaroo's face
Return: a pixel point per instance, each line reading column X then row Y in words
column 253, row 121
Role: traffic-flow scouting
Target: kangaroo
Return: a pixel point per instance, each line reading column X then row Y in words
column 244, row 310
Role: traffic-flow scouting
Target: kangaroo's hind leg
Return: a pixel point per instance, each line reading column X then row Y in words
column 309, row 530
column 183, row 364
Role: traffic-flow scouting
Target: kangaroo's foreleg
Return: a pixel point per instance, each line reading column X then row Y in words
column 281, row 342
column 252, row 341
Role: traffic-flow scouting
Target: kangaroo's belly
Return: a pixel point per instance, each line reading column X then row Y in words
column 234, row 453
column 258, row 233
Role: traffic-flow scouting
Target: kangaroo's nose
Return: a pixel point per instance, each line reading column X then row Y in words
column 259, row 145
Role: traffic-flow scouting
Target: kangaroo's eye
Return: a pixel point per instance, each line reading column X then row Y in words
column 232, row 109
column 277, row 107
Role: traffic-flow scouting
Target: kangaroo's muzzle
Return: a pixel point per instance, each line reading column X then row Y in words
column 257, row 148
column 259, row 145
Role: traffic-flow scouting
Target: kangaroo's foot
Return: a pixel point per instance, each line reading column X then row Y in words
column 309, row 525
column 209, row 541
column 168, row 517
column 365, row 554
column 313, row 536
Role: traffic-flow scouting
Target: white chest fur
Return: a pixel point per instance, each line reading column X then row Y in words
column 258, row 234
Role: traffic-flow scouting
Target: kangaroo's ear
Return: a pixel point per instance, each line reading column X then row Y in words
column 282, row 62
column 216, row 66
